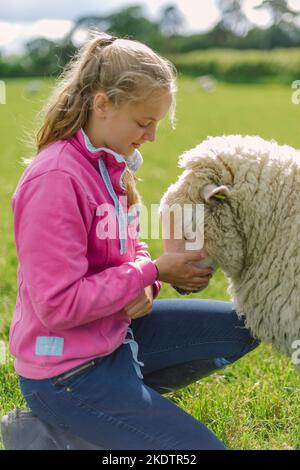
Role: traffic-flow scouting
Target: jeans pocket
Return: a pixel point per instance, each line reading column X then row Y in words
column 43, row 410
column 70, row 380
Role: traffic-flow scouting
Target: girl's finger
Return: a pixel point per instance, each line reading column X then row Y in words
column 201, row 282
column 137, row 309
column 201, row 272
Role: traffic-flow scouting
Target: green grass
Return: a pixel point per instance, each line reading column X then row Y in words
column 252, row 404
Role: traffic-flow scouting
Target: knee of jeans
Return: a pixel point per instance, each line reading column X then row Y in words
column 224, row 361
column 252, row 345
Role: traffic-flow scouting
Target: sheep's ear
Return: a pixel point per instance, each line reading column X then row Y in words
column 211, row 193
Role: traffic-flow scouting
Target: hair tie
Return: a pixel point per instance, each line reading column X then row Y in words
column 102, row 42
column 112, row 39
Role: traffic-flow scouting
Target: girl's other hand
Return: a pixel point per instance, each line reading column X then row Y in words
column 140, row 306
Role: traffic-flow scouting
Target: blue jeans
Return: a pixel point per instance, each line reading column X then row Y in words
column 117, row 401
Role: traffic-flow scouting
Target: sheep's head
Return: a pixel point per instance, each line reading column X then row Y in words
column 207, row 186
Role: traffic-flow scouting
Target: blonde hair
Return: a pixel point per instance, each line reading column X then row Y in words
column 126, row 70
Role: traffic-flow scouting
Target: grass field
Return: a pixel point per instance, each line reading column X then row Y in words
column 253, row 404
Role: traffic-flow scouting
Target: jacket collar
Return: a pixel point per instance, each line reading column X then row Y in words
column 112, row 167
column 133, row 162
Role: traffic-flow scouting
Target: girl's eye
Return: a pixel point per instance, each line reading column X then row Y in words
column 142, row 125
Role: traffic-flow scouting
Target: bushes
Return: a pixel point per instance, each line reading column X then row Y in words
column 232, row 65
column 282, row 65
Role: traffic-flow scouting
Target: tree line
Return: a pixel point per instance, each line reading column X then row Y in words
column 43, row 57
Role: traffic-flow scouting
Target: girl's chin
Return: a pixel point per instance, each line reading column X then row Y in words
column 127, row 152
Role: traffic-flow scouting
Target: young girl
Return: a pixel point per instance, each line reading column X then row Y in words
column 93, row 351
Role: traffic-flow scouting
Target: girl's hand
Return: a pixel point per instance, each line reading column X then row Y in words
column 140, row 306
column 178, row 270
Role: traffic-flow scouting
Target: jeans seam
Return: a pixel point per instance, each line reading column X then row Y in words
column 46, row 408
column 110, row 418
column 190, row 344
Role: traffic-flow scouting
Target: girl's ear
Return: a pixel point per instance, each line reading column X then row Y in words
column 101, row 104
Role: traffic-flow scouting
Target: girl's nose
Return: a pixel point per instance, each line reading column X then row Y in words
column 150, row 134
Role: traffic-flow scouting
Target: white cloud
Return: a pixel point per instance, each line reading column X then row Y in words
column 261, row 18
column 9, row 32
column 294, row 4
column 51, row 29
column 34, row 10
column 200, row 15
column 13, row 36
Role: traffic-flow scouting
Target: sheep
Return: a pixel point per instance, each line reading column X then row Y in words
column 249, row 189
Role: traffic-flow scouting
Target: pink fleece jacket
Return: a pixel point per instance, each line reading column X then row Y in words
column 73, row 283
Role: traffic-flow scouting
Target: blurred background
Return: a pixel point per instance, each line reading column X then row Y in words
column 238, row 65
column 37, row 40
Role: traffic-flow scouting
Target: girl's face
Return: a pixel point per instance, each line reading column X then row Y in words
column 128, row 127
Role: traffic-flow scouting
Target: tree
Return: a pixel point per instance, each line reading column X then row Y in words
column 42, row 56
column 279, row 11
column 233, row 18
column 283, row 31
column 172, row 21
column 129, row 22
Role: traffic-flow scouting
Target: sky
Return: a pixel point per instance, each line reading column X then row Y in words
column 23, row 20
